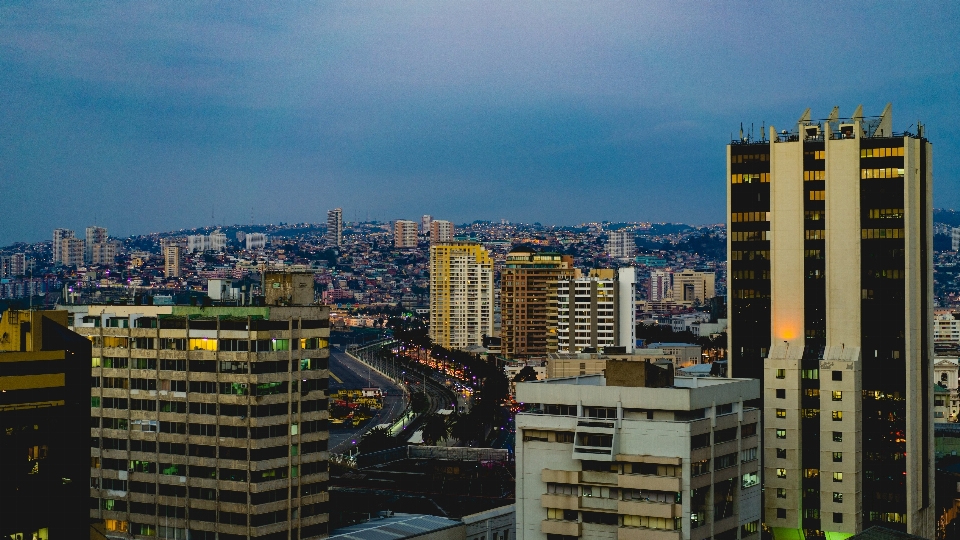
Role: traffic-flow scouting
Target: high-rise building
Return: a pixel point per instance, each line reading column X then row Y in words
column 71, row 251
column 830, row 253
column 621, row 244
column 103, row 253
column 335, row 227
column 425, row 221
column 404, row 234
column 638, row 454
column 528, row 300
column 171, row 261
column 95, row 235
column 255, row 241
column 461, row 294
column 955, row 239
column 597, row 311
column 209, row 422
column 58, row 236
column 45, row 418
column 216, row 241
column 441, row 231
column 13, row 265
column 692, row 287
column 658, row 288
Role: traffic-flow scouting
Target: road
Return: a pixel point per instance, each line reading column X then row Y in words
column 354, row 374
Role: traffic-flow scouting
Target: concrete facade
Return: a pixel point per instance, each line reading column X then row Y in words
column 597, row 311
column 404, row 234
column 461, row 294
column 441, row 231
column 621, row 244
column 335, row 227
column 528, row 302
column 171, row 261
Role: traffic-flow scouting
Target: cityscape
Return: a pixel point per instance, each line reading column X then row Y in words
column 425, row 280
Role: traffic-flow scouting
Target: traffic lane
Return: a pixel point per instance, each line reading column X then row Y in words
column 341, row 439
column 355, row 374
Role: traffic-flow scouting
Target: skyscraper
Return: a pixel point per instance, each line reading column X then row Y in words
column 441, row 231
column 335, row 227
column 597, row 311
column 171, row 261
column 528, row 301
column 830, row 253
column 404, row 234
column 95, row 237
column 461, row 294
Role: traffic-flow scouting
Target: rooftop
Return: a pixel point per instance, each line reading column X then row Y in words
column 395, row 527
column 881, row 533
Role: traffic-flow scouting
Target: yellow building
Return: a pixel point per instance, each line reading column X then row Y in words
column 461, row 294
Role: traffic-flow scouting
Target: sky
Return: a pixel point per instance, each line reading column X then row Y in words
column 155, row 116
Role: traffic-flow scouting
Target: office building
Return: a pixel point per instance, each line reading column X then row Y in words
column 638, row 454
column 58, row 236
column 255, row 241
column 660, row 285
column 171, row 261
column 461, row 294
column 830, row 303
column 441, row 231
column 621, row 244
column 335, row 227
column 693, row 288
column 404, row 234
column 44, row 427
column 95, row 237
column 528, row 301
column 597, row 311
column 209, row 422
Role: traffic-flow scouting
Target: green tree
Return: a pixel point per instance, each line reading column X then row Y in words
column 466, row 427
column 377, row 439
column 419, row 402
column 435, row 429
column 525, row 374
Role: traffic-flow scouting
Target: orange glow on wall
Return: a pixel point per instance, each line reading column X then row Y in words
column 787, row 333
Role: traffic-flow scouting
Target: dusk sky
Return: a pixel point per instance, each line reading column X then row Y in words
column 146, row 117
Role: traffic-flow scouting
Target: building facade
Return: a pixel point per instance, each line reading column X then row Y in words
column 621, row 244
column 461, row 294
column 171, row 261
column 255, row 241
column 528, row 301
column 71, row 252
column 693, row 288
column 404, row 234
column 95, row 237
column 830, row 253
column 58, row 236
column 335, row 227
column 208, row 422
column 660, row 285
column 597, row 311
column 441, row 231
column 44, row 414
column 597, row 461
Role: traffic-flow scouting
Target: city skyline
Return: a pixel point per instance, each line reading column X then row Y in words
column 140, row 118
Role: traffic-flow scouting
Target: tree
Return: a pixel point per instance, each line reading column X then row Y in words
column 466, row 427
column 419, row 402
column 525, row 374
column 377, row 439
column 435, row 429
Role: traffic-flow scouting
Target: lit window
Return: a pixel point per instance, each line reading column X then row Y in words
column 781, row 473
column 837, row 457
column 837, row 497
column 837, row 416
column 781, row 413
column 837, row 395
column 781, row 434
column 781, row 373
column 781, row 493
column 838, row 477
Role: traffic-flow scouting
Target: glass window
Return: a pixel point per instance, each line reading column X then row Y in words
column 202, row 344
column 781, row 413
column 837, row 497
column 837, row 457
column 837, row 436
column 781, row 434
column 781, row 493
column 838, row 477
column 781, row 473
column 837, row 415
column 837, row 395
column 781, row 373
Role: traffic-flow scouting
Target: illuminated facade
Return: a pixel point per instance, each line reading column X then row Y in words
column 461, row 294
column 830, row 254
column 528, row 302
column 208, row 422
column 44, row 414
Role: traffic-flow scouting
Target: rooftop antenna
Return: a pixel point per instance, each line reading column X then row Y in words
column 741, row 131
column 763, row 136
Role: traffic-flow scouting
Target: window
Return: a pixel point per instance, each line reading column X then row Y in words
column 811, row 473
column 781, row 493
column 699, row 467
column 781, row 513
column 724, row 461
column 749, row 480
column 781, row 413
column 837, row 517
column 781, row 453
column 837, row 457
column 564, row 515
column 838, row 477
column 837, row 436
column 837, row 416
column 781, row 434
column 750, row 454
column 837, row 497
column 781, row 473
column 837, row 395
column 781, row 393
column 699, row 441
column 781, row 374
column 724, row 435
column 838, row 375
column 748, row 430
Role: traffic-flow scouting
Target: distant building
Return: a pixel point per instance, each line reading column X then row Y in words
column 425, row 222
column 955, row 239
column 404, row 234
column 13, row 265
column 45, row 420
column 685, row 353
column 946, row 329
column 692, row 287
column 441, row 231
column 593, row 363
column 597, row 311
column 528, row 301
column 95, row 237
column 461, row 294
column 71, row 251
column 59, row 235
column 659, row 285
column 288, row 288
column 103, row 253
column 256, row 241
column 171, row 261
column 652, row 261
column 217, row 241
column 621, row 244
column 335, row 227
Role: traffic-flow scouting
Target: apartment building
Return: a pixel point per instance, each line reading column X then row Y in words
column 441, row 231
column 830, row 303
column 660, row 285
column 621, row 244
column 637, row 454
column 210, row 422
column 171, row 261
column 71, row 251
column 44, row 391
column 693, row 288
column 256, row 241
column 461, row 294
column 946, row 329
column 404, row 234
column 528, row 301
column 334, row 234
column 58, row 237
column 597, row 311
column 95, row 238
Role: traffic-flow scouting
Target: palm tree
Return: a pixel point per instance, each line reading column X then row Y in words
column 435, row 429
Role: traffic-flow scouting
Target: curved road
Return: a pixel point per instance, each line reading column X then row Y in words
column 354, row 374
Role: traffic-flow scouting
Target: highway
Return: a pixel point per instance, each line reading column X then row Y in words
column 345, row 372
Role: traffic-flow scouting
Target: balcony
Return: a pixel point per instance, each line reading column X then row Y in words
column 563, row 502
column 565, row 528
column 639, row 533
column 597, row 477
column 648, row 508
column 560, row 477
column 654, row 483
column 598, row 503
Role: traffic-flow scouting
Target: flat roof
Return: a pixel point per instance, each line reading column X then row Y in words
column 395, row 527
